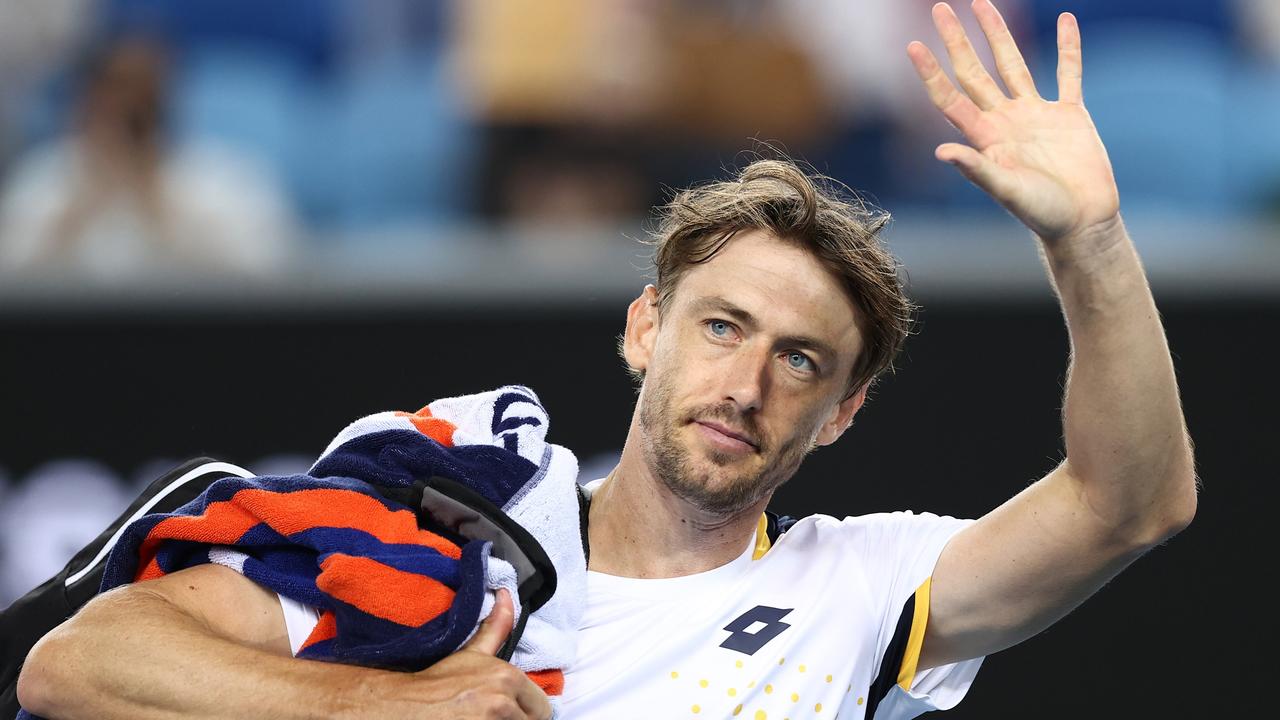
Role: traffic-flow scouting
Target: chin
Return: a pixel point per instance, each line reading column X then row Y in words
column 718, row 485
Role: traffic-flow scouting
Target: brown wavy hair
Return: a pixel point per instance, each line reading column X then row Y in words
column 810, row 210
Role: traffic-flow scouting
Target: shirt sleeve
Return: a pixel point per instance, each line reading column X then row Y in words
column 898, row 552
column 299, row 618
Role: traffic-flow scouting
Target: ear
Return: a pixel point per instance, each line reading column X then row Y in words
column 643, row 320
column 841, row 417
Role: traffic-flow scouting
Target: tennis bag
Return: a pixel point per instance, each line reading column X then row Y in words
column 33, row 615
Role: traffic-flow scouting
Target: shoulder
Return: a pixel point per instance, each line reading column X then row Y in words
column 878, row 544
column 899, row 526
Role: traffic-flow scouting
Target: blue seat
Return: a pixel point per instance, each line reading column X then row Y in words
column 401, row 148
column 307, row 32
column 1253, row 136
column 1160, row 95
column 256, row 101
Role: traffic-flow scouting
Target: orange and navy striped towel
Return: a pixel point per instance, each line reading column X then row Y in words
column 391, row 593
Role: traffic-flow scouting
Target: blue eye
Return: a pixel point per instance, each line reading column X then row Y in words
column 799, row 361
column 719, row 328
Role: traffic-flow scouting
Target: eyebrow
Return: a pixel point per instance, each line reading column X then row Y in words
column 750, row 322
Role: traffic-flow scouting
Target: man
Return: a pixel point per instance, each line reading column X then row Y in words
column 774, row 310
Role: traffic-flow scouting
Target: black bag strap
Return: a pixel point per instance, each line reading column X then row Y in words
column 27, row 620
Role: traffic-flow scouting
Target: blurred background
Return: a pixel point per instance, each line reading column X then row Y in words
column 231, row 227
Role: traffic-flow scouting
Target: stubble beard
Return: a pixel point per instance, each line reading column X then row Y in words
column 673, row 463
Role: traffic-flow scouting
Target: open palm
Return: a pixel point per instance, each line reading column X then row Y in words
column 1041, row 160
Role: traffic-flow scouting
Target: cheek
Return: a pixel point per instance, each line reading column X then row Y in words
column 686, row 359
column 801, row 424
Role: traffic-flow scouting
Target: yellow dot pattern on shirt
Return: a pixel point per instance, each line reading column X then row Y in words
column 768, row 690
column 859, row 701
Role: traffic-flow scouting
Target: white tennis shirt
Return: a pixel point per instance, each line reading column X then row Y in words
column 802, row 629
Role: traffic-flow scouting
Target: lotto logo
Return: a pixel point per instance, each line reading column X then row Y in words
column 769, row 620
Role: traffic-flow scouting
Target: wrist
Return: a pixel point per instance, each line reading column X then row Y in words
column 356, row 692
column 1088, row 246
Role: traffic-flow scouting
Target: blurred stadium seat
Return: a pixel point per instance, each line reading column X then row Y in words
column 383, row 144
column 1253, row 135
column 251, row 99
column 401, row 147
column 1160, row 93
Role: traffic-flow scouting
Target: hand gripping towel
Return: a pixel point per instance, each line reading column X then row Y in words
column 385, row 535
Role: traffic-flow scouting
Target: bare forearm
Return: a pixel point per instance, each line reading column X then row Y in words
column 136, row 656
column 1125, row 435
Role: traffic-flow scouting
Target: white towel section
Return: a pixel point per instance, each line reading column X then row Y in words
column 480, row 418
column 512, row 417
column 548, row 509
column 498, row 574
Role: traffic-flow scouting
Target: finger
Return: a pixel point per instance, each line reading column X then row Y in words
column 975, row 166
column 533, row 701
column 955, row 105
column 1070, row 66
column 1009, row 62
column 493, row 630
column 972, row 75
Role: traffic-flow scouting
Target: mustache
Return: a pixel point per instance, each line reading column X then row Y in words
column 727, row 414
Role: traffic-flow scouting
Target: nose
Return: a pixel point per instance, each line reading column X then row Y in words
column 747, row 380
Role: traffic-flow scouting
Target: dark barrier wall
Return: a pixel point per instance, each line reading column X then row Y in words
column 970, row 418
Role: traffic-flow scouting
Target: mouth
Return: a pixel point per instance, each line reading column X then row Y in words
column 732, row 439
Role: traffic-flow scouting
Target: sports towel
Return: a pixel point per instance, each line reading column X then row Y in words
column 394, row 594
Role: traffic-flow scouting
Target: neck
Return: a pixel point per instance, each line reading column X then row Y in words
column 639, row 529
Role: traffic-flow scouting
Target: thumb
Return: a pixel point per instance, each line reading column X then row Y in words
column 975, row 166
column 493, row 630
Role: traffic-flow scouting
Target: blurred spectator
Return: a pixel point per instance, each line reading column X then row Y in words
column 884, row 128
column 588, row 105
column 34, row 36
column 115, row 198
column 559, row 88
column 1260, row 25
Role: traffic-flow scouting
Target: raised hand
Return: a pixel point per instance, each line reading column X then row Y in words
column 1042, row 160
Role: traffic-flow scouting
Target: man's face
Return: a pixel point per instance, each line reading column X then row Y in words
column 746, row 370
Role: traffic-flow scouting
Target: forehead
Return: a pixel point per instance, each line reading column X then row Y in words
column 783, row 285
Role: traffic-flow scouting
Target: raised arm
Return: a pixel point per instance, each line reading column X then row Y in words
column 208, row 643
column 1128, row 481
